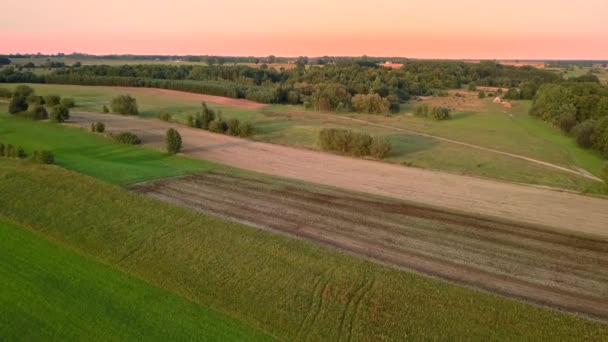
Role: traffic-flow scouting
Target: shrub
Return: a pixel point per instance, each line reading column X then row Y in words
column 52, row 100
column 245, row 129
column 481, row 94
column 21, row 153
column 68, row 102
column 472, row 86
column 18, row 104
column 23, row 90
column 218, row 126
column 440, row 113
column 5, row 93
column 2, row 150
column 379, row 148
column 173, row 140
column 98, row 127
column 206, row 116
column 105, row 109
column 127, row 138
column 190, row 121
column 10, row 151
column 124, row 104
column 93, row 127
column 59, row 113
column 234, row 126
column 43, row 157
column 359, row 144
column 584, row 133
column 39, row 113
column 35, row 100
column 164, row 116
column 370, row 104
column 421, row 111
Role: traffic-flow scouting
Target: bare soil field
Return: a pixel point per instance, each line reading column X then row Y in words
column 574, row 213
column 512, row 259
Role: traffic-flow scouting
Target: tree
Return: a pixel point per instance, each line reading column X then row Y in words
column 39, row 113
column 245, row 129
column 379, row 148
column 52, row 100
column 2, row 150
column 207, row 115
column 21, row 153
column 105, row 109
column 59, row 113
column 481, row 94
column 472, row 86
column 370, row 103
column 23, row 90
column 18, row 104
column 43, row 157
column 271, row 59
column 173, row 140
column 584, row 133
column 124, row 104
column 68, row 102
column 5, row 61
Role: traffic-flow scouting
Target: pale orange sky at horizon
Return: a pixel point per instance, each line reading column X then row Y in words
column 468, row 29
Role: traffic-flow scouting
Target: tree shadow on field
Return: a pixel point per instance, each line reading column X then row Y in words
column 404, row 144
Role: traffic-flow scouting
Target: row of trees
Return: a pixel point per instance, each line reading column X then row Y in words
column 11, row 151
column 437, row 112
column 353, row 143
column 579, row 109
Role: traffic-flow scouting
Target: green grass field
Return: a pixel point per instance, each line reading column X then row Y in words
column 511, row 131
column 289, row 288
column 93, row 154
column 51, row 293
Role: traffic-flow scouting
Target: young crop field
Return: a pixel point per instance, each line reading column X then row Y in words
column 286, row 287
column 477, row 122
column 49, row 292
column 513, row 259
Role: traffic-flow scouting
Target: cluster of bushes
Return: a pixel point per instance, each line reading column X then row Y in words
column 208, row 120
column 10, row 151
column 98, row 127
column 124, row 104
column 437, row 113
column 127, row 138
column 24, row 98
column 579, row 109
column 353, row 143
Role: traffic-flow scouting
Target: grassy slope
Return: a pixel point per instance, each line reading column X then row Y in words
column 513, row 132
column 287, row 287
column 93, row 154
column 51, row 293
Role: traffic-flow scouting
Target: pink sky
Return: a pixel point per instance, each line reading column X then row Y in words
column 516, row 29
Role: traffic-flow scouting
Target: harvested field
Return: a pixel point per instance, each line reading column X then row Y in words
column 561, row 210
column 515, row 260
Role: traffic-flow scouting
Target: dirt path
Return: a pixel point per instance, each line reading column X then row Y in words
column 577, row 171
column 562, row 210
column 512, row 259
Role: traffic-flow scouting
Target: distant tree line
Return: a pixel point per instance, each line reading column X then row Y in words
column 331, row 87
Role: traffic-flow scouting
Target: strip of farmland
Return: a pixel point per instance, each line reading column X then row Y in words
column 515, row 260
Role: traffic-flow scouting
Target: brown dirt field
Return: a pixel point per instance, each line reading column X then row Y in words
column 567, row 211
column 516, row 260
column 239, row 103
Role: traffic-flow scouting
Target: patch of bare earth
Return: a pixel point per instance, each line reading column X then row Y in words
column 559, row 210
column 512, row 259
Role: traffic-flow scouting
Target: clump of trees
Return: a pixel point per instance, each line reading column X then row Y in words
column 59, row 114
column 173, row 141
column 437, row 113
column 208, row 120
column 17, row 104
column 353, row 143
column 124, row 104
column 43, row 157
column 52, row 100
column 10, row 151
column 127, row 138
column 164, row 116
column 370, row 104
column 579, row 109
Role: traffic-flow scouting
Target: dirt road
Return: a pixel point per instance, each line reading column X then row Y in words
column 561, row 210
column 512, row 259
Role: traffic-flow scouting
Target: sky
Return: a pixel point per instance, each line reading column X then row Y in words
column 464, row 29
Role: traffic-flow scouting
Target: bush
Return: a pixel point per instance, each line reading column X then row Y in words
column 98, row 127
column 68, row 102
column 370, row 104
column 421, row 111
column 23, row 90
column 234, row 127
column 59, row 113
column 472, row 86
column 218, row 126
column 39, row 113
column 43, row 157
column 164, row 116
column 2, row 150
column 5, row 93
column 440, row 113
column 18, row 104
column 127, row 138
column 566, row 122
column 10, row 151
column 35, row 100
column 52, row 100
column 481, row 94
column 245, row 129
column 379, row 148
column 21, row 153
column 206, row 116
column 105, row 109
column 124, row 104
column 173, row 140
column 359, row 144
column 584, row 133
